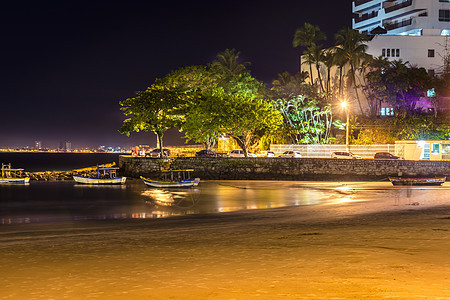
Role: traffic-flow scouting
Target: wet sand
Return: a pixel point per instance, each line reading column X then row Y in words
column 391, row 248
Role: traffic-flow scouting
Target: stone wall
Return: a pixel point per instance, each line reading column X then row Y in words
column 285, row 168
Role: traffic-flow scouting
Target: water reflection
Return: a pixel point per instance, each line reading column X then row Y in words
column 66, row 201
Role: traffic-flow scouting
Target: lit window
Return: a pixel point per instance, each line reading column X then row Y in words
column 444, row 15
column 386, row 111
column 430, row 52
column 435, row 149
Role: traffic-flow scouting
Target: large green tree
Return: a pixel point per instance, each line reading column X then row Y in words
column 156, row 109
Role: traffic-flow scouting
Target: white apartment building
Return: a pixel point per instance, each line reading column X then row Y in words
column 416, row 31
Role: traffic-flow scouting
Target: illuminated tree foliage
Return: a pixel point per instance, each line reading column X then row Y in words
column 204, row 102
column 157, row 109
column 304, row 120
column 399, row 85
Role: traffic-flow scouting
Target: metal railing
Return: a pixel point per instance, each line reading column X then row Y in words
column 366, row 17
column 360, row 2
column 324, row 151
column 398, row 24
column 398, row 6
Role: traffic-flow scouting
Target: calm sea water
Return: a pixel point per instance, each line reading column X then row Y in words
column 61, row 201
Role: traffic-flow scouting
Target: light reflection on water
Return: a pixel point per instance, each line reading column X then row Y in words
column 66, row 201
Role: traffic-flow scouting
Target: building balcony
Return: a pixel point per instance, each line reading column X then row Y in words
column 360, row 2
column 396, row 25
column 398, row 6
column 366, row 17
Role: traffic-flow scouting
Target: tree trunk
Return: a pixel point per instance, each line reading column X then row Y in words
column 159, row 135
column 356, row 88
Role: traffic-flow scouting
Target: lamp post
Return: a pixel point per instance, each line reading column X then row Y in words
column 344, row 106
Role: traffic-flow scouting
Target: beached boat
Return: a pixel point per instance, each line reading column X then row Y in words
column 105, row 175
column 10, row 175
column 417, row 180
column 173, row 179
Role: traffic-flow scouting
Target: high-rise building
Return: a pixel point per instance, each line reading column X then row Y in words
column 68, row 147
column 37, row 145
column 415, row 31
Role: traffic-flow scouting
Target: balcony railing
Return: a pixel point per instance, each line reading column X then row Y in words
column 361, row 2
column 398, row 6
column 398, row 24
column 366, row 17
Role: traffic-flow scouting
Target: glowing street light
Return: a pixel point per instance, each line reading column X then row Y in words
column 344, row 105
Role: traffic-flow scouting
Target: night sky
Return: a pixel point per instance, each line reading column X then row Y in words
column 66, row 64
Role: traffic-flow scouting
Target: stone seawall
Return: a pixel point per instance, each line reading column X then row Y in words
column 285, row 168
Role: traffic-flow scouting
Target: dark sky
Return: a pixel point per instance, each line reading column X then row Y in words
column 66, row 64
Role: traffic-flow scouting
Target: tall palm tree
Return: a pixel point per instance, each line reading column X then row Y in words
column 316, row 53
column 282, row 80
column 228, row 61
column 307, row 36
column 329, row 60
column 351, row 44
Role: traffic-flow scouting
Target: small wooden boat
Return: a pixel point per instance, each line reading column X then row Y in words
column 173, row 179
column 10, row 175
column 417, row 180
column 105, row 175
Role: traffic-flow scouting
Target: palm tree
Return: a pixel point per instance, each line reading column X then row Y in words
column 282, row 80
column 351, row 44
column 329, row 60
column 307, row 36
column 315, row 52
column 228, row 61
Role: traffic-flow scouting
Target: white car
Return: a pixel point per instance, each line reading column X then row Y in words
column 265, row 153
column 344, row 155
column 239, row 153
column 290, row 153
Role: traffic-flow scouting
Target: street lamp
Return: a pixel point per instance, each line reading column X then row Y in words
column 344, row 105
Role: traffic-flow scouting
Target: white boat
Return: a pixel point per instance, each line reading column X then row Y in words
column 105, row 175
column 173, row 179
column 10, row 175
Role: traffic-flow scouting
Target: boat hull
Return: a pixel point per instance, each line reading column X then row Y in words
column 90, row 180
column 15, row 180
column 171, row 184
column 417, row 181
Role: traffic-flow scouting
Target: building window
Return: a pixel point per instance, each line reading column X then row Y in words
column 388, row 54
column 397, row 52
column 386, row 111
column 383, row 52
column 435, row 149
column 446, row 1
column 444, row 15
column 430, row 52
column 431, row 72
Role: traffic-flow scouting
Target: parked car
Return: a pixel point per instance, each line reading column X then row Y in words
column 206, row 153
column 157, row 153
column 385, row 155
column 265, row 153
column 239, row 153
column 290, row 153
column 344, row 155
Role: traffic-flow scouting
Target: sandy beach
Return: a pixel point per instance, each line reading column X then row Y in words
column 384, row 249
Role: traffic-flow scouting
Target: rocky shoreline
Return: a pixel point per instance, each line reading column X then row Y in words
column 65, row 175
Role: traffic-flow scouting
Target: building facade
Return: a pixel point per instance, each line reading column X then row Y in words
column 415, row 31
